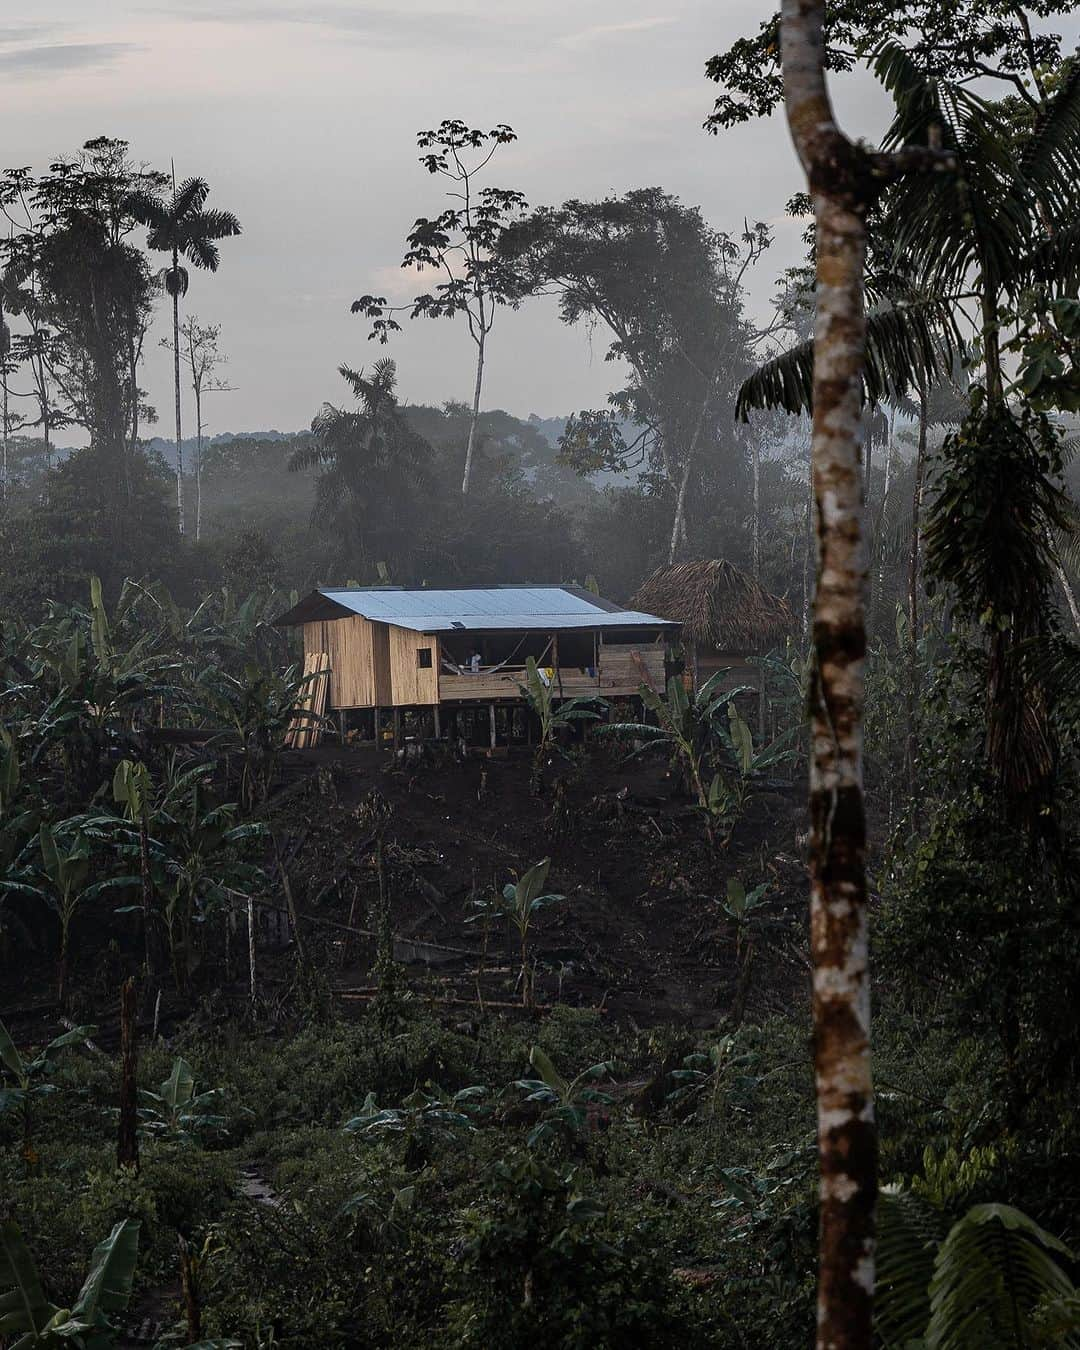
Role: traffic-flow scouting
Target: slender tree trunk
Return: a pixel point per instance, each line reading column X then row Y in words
column 678, row 527
column 808, row 536
column 992, row 350
column 878, row 580
column 251, row 949
column 62, row 965
column 913, row 591
column 198, row 461
column 847, row 1139
column 176, row 393
column 4, row 468
column 1069, row 593
column 189, row 1288
column 127, row 1139
column 474, row 420
column 755, row 465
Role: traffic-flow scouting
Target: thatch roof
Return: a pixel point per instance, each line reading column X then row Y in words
column 718, row 605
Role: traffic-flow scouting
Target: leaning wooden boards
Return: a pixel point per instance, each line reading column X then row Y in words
column 305, row 729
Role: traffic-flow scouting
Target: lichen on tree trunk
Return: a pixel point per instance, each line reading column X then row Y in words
column 847, row 1141
column 838, row 918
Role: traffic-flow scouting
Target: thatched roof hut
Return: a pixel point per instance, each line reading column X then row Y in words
column 720, row 607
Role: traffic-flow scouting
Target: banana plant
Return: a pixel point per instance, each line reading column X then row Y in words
column 30, row 1080
column 189, row 851
column 423, row 1119
column 65, row 860
column 257, row 708
column 202, row 863
column 687, row 725
column 131, row 791
column 726, row 797
column 567, row 1100
column 18, row 821
column 520, row 902
column 176, row 1111
column 553, row 717
column 740, row 906
column 96, row 686
column 38, row 1324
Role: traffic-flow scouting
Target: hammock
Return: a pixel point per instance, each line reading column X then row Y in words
column 452, row 668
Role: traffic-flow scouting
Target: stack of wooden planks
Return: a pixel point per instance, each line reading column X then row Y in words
column 305, row 730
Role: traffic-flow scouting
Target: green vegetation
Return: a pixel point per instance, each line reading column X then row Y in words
column 379, row 1077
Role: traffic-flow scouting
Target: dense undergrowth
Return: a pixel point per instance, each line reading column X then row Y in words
column 668, row 1198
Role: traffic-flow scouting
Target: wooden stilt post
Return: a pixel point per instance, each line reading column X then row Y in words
column 491, row 721
column 397, row 729
column 437, row 722
column 375, row 720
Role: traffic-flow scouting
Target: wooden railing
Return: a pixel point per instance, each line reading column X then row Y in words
column 622, row 671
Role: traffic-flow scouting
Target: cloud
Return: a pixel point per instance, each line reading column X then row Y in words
column 605, row 30
column 24, row 32
column 378, row 25
column 47, row 60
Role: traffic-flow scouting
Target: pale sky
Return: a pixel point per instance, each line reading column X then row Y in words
column 303, row 116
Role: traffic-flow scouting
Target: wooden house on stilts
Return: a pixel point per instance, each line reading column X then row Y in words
column 389, row 648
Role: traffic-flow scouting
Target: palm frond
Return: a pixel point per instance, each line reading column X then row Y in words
column 1050, row 161
column 910, row 1230
column 189, row 197
column 217, row 224
column 992, row 1274
column 1053, row 261
column 950, row 223
column 906, row 346
column 200, row 251
column 147, row 208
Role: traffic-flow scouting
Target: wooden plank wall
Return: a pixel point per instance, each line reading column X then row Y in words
column 384, row 692
column 410, row 683
column 350, row 645
column 623, row 667
column 495, row 685
column 739, row 669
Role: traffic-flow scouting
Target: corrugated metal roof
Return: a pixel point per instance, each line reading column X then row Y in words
column 484, row 610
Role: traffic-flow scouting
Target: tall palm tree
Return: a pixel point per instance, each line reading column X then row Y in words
column 181, row 227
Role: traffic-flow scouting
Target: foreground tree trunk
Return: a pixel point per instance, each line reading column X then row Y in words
column 844, row 181
column 838, row 921
column 847, row 1140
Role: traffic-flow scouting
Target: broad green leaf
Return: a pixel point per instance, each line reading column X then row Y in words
column 547, row 1071
column 107, row 1287
column 741, row 739
column 13, row 1061
column 178, row 1088
column 23, row 1305
column 532, row 883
